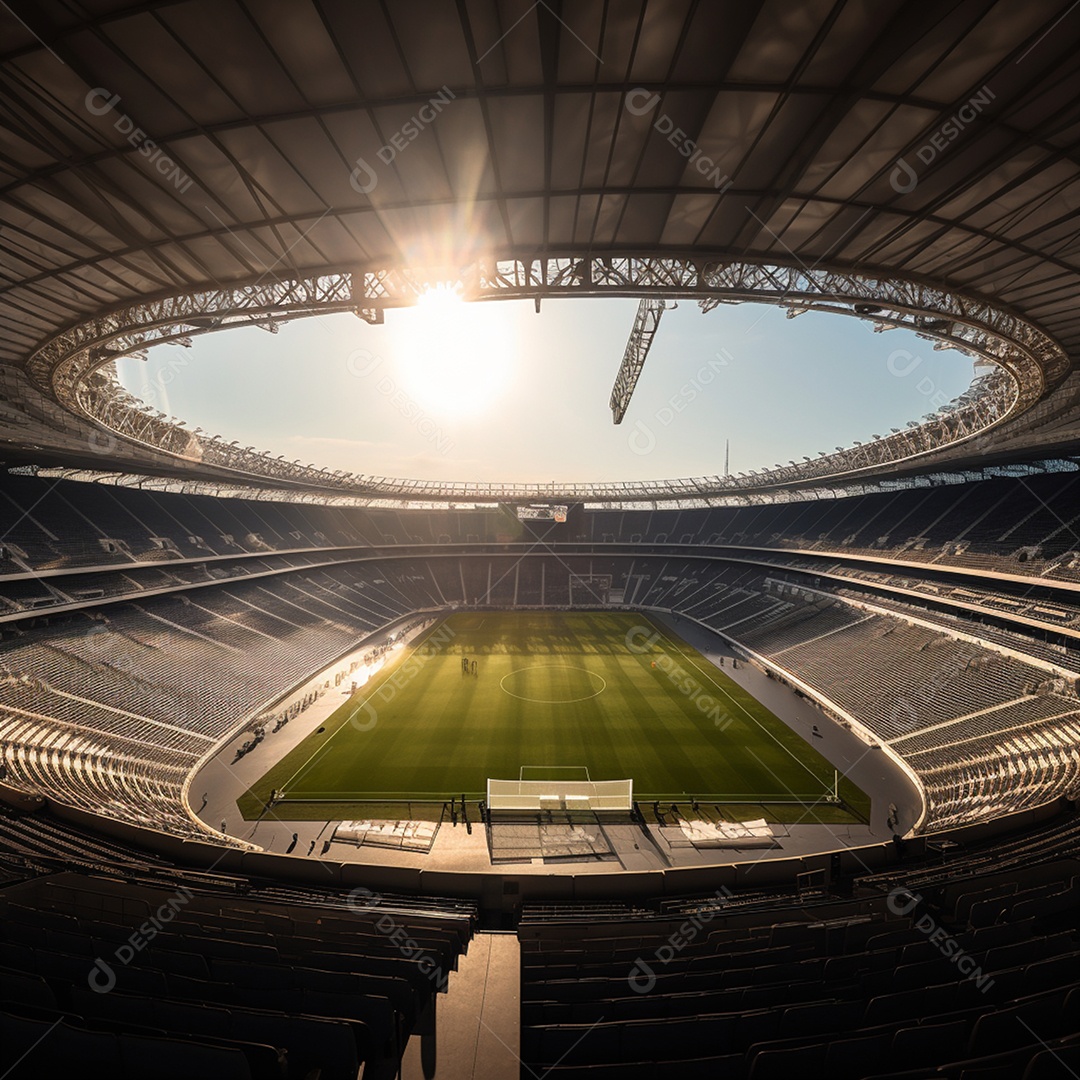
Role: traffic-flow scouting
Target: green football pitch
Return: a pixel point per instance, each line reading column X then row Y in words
column 600, row 695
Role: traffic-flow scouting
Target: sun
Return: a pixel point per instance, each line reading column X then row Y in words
column 454, row 358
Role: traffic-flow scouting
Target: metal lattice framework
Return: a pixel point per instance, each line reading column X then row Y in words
column 646, row 322
column 690, row 501
column 169, row 169
column 78, row 366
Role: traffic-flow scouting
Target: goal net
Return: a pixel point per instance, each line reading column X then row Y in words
column 560, row 794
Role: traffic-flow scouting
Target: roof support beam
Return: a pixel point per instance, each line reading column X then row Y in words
column 649, row 311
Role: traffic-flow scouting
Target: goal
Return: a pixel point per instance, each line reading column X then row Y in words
column 560, row 794
column 588, row 589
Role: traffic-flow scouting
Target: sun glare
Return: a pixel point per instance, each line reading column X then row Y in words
column 455, row 358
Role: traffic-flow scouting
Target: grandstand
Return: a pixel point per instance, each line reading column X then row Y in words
column 788, row 779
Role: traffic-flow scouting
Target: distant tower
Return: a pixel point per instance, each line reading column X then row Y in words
column 727, row 457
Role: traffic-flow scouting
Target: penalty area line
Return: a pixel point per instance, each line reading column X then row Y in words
column 701, row 671
column 344, row 723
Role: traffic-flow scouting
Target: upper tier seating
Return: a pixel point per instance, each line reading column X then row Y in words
column 101, row 711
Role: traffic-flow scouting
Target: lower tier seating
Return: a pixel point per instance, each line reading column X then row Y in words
column 976, row 979
column 114, row 979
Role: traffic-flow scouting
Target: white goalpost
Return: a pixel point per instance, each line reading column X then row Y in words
column 555, row 794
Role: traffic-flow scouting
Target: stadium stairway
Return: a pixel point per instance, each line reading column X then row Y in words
column 477, row 1025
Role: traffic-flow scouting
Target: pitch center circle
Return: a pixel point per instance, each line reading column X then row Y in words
column 519, row 684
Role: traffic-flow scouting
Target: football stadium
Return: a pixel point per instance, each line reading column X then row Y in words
column 349, row 730
column 545, row 698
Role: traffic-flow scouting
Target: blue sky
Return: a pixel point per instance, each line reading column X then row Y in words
column 492, row 391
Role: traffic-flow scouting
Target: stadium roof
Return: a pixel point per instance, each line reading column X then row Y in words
column 153, row 149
